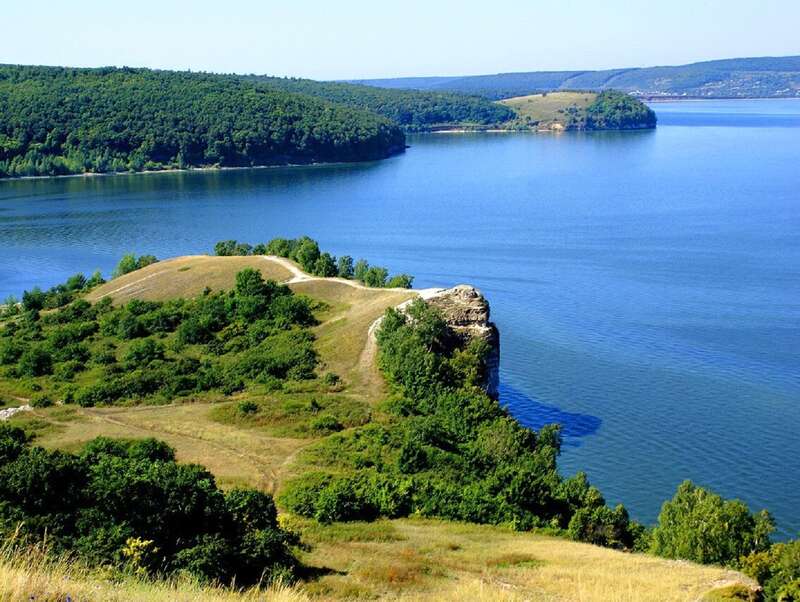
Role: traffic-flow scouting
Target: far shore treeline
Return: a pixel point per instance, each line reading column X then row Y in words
column 61, row 121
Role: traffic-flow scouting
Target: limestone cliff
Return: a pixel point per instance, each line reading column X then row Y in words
column 466, row 311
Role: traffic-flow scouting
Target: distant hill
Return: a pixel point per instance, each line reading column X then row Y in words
column 413, row 110
column 762, row 77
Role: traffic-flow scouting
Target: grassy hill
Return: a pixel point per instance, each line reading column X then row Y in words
column 405, row 559
column 580, row 111
column 760, row 77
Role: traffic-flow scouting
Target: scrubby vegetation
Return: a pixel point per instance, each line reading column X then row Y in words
column 128, row 504
column 448, row 450
column 306, row 252
column 157, row 351
column 64, row 120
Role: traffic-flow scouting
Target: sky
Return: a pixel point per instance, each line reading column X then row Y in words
column 349, row 39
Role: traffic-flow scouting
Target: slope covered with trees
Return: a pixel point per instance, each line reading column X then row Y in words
column 62, row 121
column 415, row 111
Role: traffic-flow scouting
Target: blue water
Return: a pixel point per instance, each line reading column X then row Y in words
column 646, row 284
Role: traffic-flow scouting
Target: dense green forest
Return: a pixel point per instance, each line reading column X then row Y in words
column 415, row 111
column 728, row 78
column 613, row 110
column 61, row 121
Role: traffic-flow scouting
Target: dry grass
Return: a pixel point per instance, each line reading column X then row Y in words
column 185, row 277
column 438, row 560
column 342, row 338
column 31, row 574
column 548, row 109
column 236, row 456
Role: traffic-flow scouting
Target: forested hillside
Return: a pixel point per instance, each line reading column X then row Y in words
column 415, row 111
column 61, row 120
column 762, row 77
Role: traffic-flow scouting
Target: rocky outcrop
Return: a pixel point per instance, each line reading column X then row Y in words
column 466, row 311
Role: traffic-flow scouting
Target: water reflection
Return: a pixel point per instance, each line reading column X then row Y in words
column 535, row 414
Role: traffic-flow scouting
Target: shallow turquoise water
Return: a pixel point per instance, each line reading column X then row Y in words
column 646, row 285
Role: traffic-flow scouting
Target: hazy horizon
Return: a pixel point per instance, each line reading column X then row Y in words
column 359, row 40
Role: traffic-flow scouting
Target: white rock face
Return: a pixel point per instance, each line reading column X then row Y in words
column 466, row 311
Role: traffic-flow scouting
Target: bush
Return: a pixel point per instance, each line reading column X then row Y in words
column 325, row 423
column 247, row 408
column 122, row 500
column 144, row 352
column 777, row 570
column 699, row 525
column 36, row 361
column 41, row 401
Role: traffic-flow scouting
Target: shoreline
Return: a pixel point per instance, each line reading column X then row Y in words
column 177, row 170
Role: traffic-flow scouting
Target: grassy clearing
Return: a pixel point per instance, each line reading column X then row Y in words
column 439, row 560
column 184, row 277
column 544, row 111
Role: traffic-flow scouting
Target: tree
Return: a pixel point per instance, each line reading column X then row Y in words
column 376, row 277
column 400, row 281
column 34, row 299
column 250, row 283
column 225, row 248
column 306, row 253
column 360, row 270
column 325, row 266
column 699, row 525
column 344, row 267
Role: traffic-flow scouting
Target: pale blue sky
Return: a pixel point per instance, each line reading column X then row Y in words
column 360, row 38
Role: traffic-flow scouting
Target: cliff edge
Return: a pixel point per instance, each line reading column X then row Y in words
column 466, row 311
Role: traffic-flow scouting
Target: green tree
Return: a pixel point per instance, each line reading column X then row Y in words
column 344, row 267
column 325, row 266
column 360, row 270
column 400, row 281
column 699, row 525
column 376, row 277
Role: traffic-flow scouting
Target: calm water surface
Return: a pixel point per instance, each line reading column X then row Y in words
column 646, row 285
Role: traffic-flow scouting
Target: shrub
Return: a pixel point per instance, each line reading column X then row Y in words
column 144, row 352
column 36, row 361
column 41, row 401
column 247, row 408
column 123, row 500
column 325, row 423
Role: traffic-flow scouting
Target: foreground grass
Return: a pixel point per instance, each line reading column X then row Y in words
column 544, row 111
column 415, row 559
column 32, row 575
column 406, row 560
